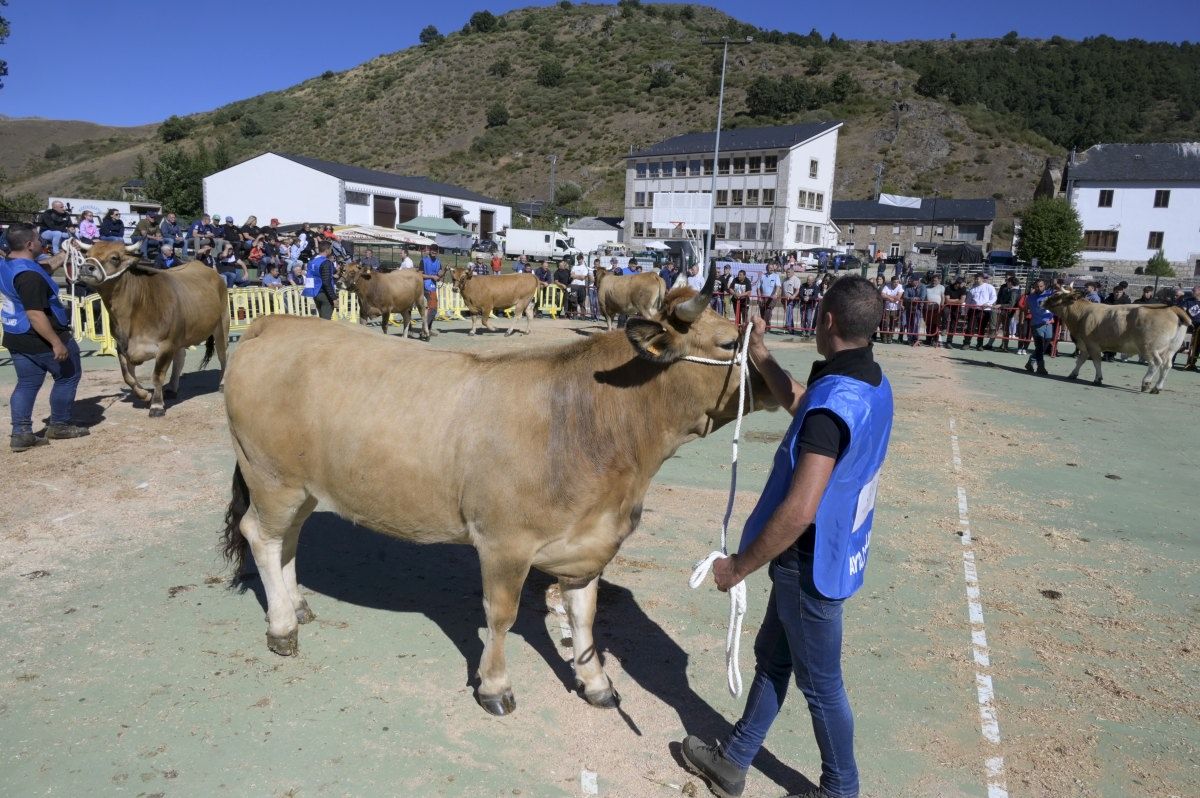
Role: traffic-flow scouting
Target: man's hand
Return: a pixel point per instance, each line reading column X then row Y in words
column 758, row 329
column 58, row 350
column 726, row 573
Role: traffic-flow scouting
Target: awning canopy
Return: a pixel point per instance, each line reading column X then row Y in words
column 434, row 225
column 367, row 233
column 656, row 245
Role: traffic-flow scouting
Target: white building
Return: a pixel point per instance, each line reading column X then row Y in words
column 295, row 188
column 592, row 232
column 1135, row 199
column 774, row 185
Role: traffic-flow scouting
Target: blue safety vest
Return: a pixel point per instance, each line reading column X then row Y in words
column 12, row 312
column 844, row 516
column 431, row 267
column 312, row 276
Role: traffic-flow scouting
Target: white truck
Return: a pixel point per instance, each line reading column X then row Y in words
column 535, row 244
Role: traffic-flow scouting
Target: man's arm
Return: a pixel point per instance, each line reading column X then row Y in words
column 41, row 325
column 786, row 390
column 786, row 524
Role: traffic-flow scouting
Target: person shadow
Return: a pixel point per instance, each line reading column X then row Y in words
column 353, row 564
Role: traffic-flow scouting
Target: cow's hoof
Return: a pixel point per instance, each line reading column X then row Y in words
column 1072, row 377
column 286, row 646
column 157, row 412
column 608, row 698
column 498, row 705
column 170, row 393
column 304, row 614
column 510, row 332
column 1097, row 382
column 1153, row 390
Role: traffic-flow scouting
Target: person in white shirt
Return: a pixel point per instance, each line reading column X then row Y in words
column 980, row 300
column 935, row 296
column 695, row 280
column 768, row 293
column 893, row 294
column 578, row 288
column 406, row 262
column 791, row 295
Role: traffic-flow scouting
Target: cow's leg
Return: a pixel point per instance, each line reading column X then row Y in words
column 503, row 575
column 384, row 318
column 485, row 319
column 161, row 364
column 1153, row 359
column 580, row 602
column 518, row 312
column 266, row 527
column 177, row 371
column 529, row 311
column 1081, row 356
column 290, row 541
column 421, row 305
column 129, row 374
column 1097, row 355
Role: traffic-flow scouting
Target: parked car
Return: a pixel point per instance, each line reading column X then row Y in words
column 487, row 246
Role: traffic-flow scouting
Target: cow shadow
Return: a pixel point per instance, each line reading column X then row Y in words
column 191, row 384
column 442, row 582
column 1081, row 380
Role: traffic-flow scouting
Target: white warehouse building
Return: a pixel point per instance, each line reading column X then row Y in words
column 296, row 188
column 774, row 185
column 1137, row 199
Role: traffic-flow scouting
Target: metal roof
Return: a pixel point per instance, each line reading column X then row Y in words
column 596, row 223
column 779, row 137
column 417, row 185
column 1157, row 162
column 932, row 209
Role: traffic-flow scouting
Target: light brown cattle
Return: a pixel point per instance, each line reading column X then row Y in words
column 628, row 294
column 385, row 293
column 1155, row 332
column 156, row 314
column 482, row 295
column 552, row 476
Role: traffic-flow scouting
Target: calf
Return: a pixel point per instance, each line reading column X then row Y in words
column 482, row 295
column 385, row 293
column 629, row 294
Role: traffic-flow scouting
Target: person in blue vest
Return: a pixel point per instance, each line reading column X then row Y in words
column 1041, row 321
column 37, row 335
column 813, row 525
column 318, row 280
column 431, row 267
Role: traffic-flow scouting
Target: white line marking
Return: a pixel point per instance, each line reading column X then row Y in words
column 989, row 724
column 589, row 782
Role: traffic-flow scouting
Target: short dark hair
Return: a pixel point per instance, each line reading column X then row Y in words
column 324, row 245
column 856, row 306
column 20, row 235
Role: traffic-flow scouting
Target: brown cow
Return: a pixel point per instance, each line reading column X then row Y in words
column 628, row 294
column 577, row 431
column 1155, row 332
column 385, row 293
column 482, row 295
column 156, row 314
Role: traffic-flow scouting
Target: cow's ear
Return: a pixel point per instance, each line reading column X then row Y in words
column 365, row 275
column 652, row 340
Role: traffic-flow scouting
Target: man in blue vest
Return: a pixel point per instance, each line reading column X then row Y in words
column 38, row 336
column 431, row 267
column 813, row 525
column 318, row 281
column 1041, row 321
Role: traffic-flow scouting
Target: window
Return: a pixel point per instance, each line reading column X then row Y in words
column 812, row 200
column 768, row 196
column 649, row 199
column 722, row 198
column 939, row 230
column 850, row 229
column 668, row 168
column 639, row 230
column 681, row 168
column 739, row 166
column 813, row 167
column 1106, row 196
column 894, row 250
column 755, row 164
column 639, row 199
column 723, row 166
column 694, row 168
column 1162, row 198
column 770, row 164
column 708, row 166
column 808, row 234
column 764, row 231
column 895, row 229
column 718, row 229
column 871, row 230
column 918, row 230
column 654, row 165
column 751, row 196
column 1154, row 241
column 357, row 198
column 749, row 231
column 641, row 170
column 736, row 198
column 820, row 201
column 1100, row 240
column 735, row 231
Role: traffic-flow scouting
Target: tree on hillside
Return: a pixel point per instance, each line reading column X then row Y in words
column 429, row 34
column 175, row 128
column 176, row 179
column 482, row 22
column 250, row 127
column 660, row 78
column 53, row 151
column 1159, row 266
column 497, row 115
column 501, row 68
column 1051, row 232
column 4, row 31
column 550, row 74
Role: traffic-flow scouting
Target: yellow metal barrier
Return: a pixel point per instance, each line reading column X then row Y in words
column 450, row 302
column 89, row 322
column 551, row 299
column 247, row 304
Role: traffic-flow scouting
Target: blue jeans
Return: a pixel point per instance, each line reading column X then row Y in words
column 31, row 373
column 1042, row 337
column 55, row 237
column 801, row 635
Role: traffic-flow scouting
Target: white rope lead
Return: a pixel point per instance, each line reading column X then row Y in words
column 737, row 594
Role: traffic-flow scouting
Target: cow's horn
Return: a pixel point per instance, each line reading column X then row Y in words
column 691, row 309
column 131, row 248
column 82, row 245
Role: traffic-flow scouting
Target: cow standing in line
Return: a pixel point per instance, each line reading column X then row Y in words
column 578, row 431
column 1154, row 332
column 385, row 293
column 156, row 314
column 628, row 294
column 482, row 295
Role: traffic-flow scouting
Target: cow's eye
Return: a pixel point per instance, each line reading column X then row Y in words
column 728, row 345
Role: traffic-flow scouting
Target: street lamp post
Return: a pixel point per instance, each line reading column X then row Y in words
column 724, row 41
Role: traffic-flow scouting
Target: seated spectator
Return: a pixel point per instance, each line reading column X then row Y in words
column 88, row 231
column 147, row 234
column 271, row 278
column 166, row 257
column 112, row 226
column 296, row 274
column 232, row 270
column 369, row 260
column 201, row 233
column 232, row 236
column 55, row 224
column 172, row 234
column 271, row 231
column 247, row 233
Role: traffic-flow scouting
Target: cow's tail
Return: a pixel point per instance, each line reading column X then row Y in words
column 210, row 346
column 233, row 543
column 1184, row 318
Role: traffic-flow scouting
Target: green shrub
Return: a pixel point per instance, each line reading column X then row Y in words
column 550, row 74
column 497, row 115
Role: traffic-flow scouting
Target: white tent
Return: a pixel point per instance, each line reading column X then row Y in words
column 366, row 233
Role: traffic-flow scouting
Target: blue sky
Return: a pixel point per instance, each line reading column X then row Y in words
column 138, row 62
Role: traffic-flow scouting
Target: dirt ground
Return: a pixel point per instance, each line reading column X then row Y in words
column 132, row 669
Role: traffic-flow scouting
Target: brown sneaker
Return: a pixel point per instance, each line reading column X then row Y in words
column 63, row 431
column 25, row 441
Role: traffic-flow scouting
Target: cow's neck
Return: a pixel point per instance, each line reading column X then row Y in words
column 127, row 293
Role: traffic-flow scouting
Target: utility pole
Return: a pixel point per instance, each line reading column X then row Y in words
column 553, row 168
column 724, row 41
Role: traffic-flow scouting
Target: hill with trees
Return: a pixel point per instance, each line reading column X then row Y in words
column 486, row 106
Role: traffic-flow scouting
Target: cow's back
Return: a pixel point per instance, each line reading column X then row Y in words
column 391, row 292
column 499, row 291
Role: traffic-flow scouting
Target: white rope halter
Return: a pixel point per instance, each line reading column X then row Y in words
column 737, row 593
column 76, row 259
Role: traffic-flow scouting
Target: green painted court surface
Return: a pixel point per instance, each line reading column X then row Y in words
column 130, row 669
